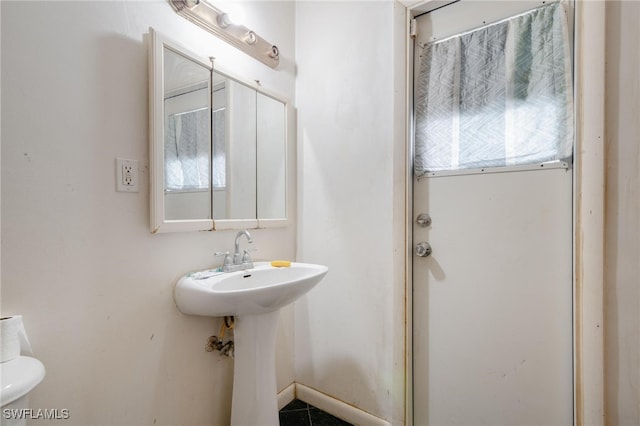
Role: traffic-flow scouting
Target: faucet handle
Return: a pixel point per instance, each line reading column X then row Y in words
column 246, row 258
column 227, row 258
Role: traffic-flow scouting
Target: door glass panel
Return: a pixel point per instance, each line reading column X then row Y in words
column 497, row 96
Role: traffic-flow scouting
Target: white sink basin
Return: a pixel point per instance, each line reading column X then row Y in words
column 258, row 290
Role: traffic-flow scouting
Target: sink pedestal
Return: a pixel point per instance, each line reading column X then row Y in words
column 255, row 393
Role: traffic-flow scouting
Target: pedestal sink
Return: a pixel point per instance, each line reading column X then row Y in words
column 253, row 297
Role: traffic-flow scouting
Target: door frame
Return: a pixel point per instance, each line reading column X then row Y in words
column 588, row 201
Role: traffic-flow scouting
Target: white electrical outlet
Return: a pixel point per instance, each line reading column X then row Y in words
column 126, row 175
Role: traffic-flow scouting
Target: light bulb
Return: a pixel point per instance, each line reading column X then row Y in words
column 236, row 14
column 250, row 37
column 223, row 20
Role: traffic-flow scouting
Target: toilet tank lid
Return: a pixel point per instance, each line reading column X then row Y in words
column 18, row 377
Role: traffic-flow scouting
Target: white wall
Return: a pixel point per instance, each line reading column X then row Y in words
column 349, row 330
column 94, row 286
column 622, row 279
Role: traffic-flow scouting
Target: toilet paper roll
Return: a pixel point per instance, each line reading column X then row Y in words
column 13, row 338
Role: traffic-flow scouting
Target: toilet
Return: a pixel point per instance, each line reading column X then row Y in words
column 18, row 377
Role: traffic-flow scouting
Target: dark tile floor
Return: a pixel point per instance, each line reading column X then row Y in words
column 298, row 413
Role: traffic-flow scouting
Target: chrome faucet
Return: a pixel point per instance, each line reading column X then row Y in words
column 239, row 262
column 236, row 253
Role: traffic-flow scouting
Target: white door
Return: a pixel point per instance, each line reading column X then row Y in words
column 492, row 303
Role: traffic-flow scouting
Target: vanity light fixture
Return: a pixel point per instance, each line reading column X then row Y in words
column 218, row 23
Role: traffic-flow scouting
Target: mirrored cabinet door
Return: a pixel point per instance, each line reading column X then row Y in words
column 272, row 155
column 180, row 138
column 234, row 140
column 187, row 138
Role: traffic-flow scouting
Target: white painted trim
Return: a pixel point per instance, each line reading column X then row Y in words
column 408, row 412
column 401, row 219
column 222, row 224
column 286, row 395
column 272, row 223
column 421, row 6
column 589, row 214
column 337, row 408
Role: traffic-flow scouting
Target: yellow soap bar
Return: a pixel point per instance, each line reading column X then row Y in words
column 280, row 263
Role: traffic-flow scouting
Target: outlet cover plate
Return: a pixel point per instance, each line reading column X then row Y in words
column 126, row 175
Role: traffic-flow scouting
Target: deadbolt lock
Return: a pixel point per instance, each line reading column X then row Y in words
column 423, row 220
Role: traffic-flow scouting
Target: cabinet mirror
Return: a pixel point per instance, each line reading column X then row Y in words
column 218, row 146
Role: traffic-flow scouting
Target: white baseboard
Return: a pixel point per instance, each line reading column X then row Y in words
column 331, row 405
column 286, row 395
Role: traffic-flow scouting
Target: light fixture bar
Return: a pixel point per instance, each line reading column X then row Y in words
column 217, row 22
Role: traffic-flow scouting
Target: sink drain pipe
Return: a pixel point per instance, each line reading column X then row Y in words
column 216, row 343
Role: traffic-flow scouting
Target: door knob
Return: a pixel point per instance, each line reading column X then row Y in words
column 423, row 249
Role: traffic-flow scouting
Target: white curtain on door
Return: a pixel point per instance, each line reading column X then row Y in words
column 497, row 96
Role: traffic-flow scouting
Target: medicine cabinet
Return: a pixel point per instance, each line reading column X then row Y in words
column 218, row 145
